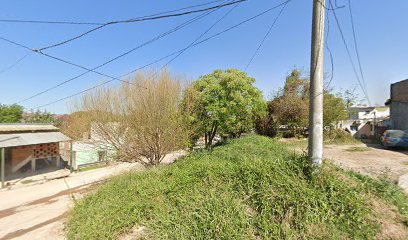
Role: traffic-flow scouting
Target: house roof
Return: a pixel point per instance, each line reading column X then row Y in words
column 361, row 109
column 24, row 139
column 24, row 127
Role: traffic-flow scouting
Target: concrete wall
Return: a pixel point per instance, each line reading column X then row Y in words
column 399, row 115
column 399, row 105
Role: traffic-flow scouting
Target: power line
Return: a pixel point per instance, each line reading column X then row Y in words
column 329, row 50
column 115, row 58
column 139, row 20
column 169, row 55
column 186, row 48
column 266, row 36
column 197, row 39
column 15, row 63
column 49, row 22
column 97, row 23
column 349, row 54
column 356, row 46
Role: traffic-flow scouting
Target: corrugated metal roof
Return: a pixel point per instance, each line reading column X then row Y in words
column 24, row 139
column 23, row 127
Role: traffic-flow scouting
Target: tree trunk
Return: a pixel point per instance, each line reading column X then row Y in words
column 211, row 134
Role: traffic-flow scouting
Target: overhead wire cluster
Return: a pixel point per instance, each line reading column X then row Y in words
column 171, row 54
column 197, row 41
column 140, row 19
column 99, row 23
column 184, row 24
column 359, row 76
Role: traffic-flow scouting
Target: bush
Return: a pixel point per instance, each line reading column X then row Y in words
column 338, row 136
column 265, row 126
column 141, row 119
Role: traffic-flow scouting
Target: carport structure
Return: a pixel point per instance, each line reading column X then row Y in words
column 30, row 148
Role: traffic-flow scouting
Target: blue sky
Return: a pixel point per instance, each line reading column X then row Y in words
column 380, row 27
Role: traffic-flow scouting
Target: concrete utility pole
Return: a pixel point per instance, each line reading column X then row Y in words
column 316, row 84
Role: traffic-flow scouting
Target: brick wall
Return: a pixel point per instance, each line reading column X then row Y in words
column 20, row 153
column 399, row 91
column 46, row 150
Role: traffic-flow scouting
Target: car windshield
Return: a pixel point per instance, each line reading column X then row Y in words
column 396, row 134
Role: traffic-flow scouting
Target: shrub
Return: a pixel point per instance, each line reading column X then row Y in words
column 141, row 119
column 338, row 136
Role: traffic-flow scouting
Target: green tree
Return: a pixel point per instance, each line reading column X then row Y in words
column 38, row 117
column 224, row 102
column 10, row 113
column 290, row 106
column 334, row 109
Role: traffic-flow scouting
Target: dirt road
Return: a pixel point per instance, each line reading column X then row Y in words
column 372, row 160
column 39, row 211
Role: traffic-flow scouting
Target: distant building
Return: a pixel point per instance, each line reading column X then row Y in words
column 32, row 148
column 398, row 104
column 362, row 121
column 91, row 149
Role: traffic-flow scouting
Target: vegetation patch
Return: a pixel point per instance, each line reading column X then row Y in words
column 338, row 136
column 358, row 149
column 249, row 188
column 85, row 169
column 27, row 181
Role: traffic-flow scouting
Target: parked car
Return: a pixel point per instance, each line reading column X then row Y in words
column 394, row 138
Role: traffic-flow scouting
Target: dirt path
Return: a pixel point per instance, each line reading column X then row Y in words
column 39, row 211
column 372, row 160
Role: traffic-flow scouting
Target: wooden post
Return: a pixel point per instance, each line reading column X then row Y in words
column 3, row 159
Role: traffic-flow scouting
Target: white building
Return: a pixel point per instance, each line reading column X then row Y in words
column 361, row 120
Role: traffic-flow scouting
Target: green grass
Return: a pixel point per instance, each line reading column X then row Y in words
column 27, row 181
column 250, row 188
column 385, row 190
column 92, row 168
column 358, row 149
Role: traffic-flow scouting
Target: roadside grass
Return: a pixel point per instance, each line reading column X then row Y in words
column 249, row 188
column 385, row 190
column 358, row 149
column 27, row 181
column 85, row 169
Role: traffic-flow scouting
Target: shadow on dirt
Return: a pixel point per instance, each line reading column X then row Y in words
column 403, row 150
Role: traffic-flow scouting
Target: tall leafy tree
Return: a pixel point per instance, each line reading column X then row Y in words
column 290, row 106
column 10, row 113
column 223, row 102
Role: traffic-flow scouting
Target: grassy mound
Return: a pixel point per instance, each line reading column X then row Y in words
column 251, row 188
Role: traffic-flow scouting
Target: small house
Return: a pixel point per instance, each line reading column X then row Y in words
column 30, row 148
